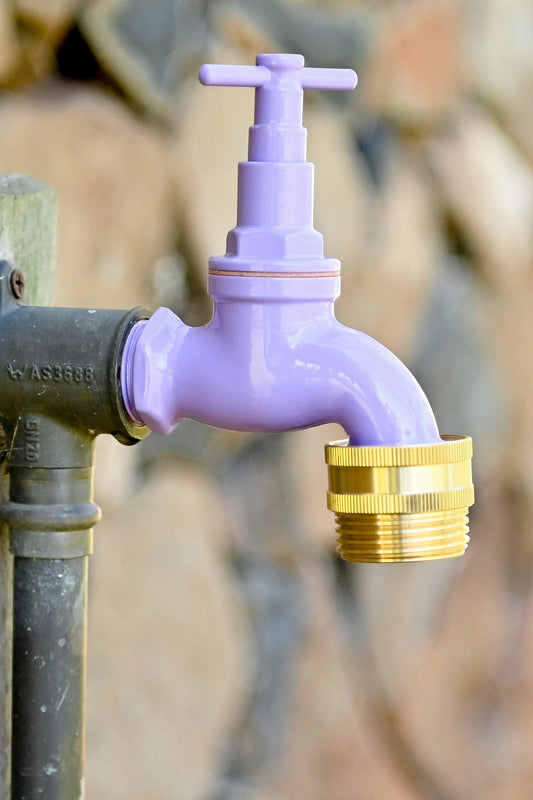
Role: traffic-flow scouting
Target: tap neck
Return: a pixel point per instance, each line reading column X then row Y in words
column 273, row 320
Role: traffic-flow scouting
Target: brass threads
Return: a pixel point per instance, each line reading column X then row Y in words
column 402, row 537
column 401, row 503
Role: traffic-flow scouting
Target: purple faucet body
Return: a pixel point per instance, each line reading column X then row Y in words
column 273, row 357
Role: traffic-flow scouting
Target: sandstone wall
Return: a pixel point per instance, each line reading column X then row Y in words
column 232, row 656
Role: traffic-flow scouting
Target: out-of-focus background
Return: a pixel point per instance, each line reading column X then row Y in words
column 232, row 655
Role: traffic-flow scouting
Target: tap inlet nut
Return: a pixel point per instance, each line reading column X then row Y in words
column 402, row 502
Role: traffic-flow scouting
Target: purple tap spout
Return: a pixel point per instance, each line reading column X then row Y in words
column 273, row 357
column 276, row 364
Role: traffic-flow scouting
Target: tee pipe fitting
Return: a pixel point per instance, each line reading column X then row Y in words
column 274, row 358
column 59, row 389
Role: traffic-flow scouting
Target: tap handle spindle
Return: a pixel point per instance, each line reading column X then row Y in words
column 279, row 80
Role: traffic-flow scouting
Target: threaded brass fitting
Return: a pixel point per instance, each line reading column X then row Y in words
column 401, row 503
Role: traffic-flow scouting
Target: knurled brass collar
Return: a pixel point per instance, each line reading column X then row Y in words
column 405, row 502
column 451, row 449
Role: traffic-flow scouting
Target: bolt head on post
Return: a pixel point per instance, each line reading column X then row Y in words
column 17, row 283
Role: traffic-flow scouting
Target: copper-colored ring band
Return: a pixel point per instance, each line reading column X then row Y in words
column 252, row 274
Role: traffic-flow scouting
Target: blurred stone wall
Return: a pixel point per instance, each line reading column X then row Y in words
column 232, row 655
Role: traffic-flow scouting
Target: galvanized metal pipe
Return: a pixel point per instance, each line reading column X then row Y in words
column 50, row 514
column 49, row 656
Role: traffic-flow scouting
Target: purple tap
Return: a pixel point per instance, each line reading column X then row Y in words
column 273, row 357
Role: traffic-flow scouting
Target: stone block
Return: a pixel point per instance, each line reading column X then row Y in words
column 111, row 175
column 49, row 17
column 147, row 48
column 168, row 663
column 499, row 60
column 413, row 72
column 387, row 293
column 9, row 43
column 333, row 746
column 487, row 185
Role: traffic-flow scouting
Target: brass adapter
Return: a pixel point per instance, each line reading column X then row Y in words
column 401, row 503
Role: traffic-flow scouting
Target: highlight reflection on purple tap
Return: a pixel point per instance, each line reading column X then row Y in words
column 273, row 357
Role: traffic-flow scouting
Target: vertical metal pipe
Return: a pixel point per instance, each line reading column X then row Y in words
column 28, row 211
column 50, row 514
column 49, row 662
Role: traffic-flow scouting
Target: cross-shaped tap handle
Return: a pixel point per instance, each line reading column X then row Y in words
column 279, row 80
column 274, row 67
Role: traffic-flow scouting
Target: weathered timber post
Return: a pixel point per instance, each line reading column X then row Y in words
column 27, row 240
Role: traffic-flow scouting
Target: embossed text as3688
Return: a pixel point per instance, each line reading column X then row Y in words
column 60, row 373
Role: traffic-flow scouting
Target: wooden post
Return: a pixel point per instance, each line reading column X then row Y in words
column 27, row 240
